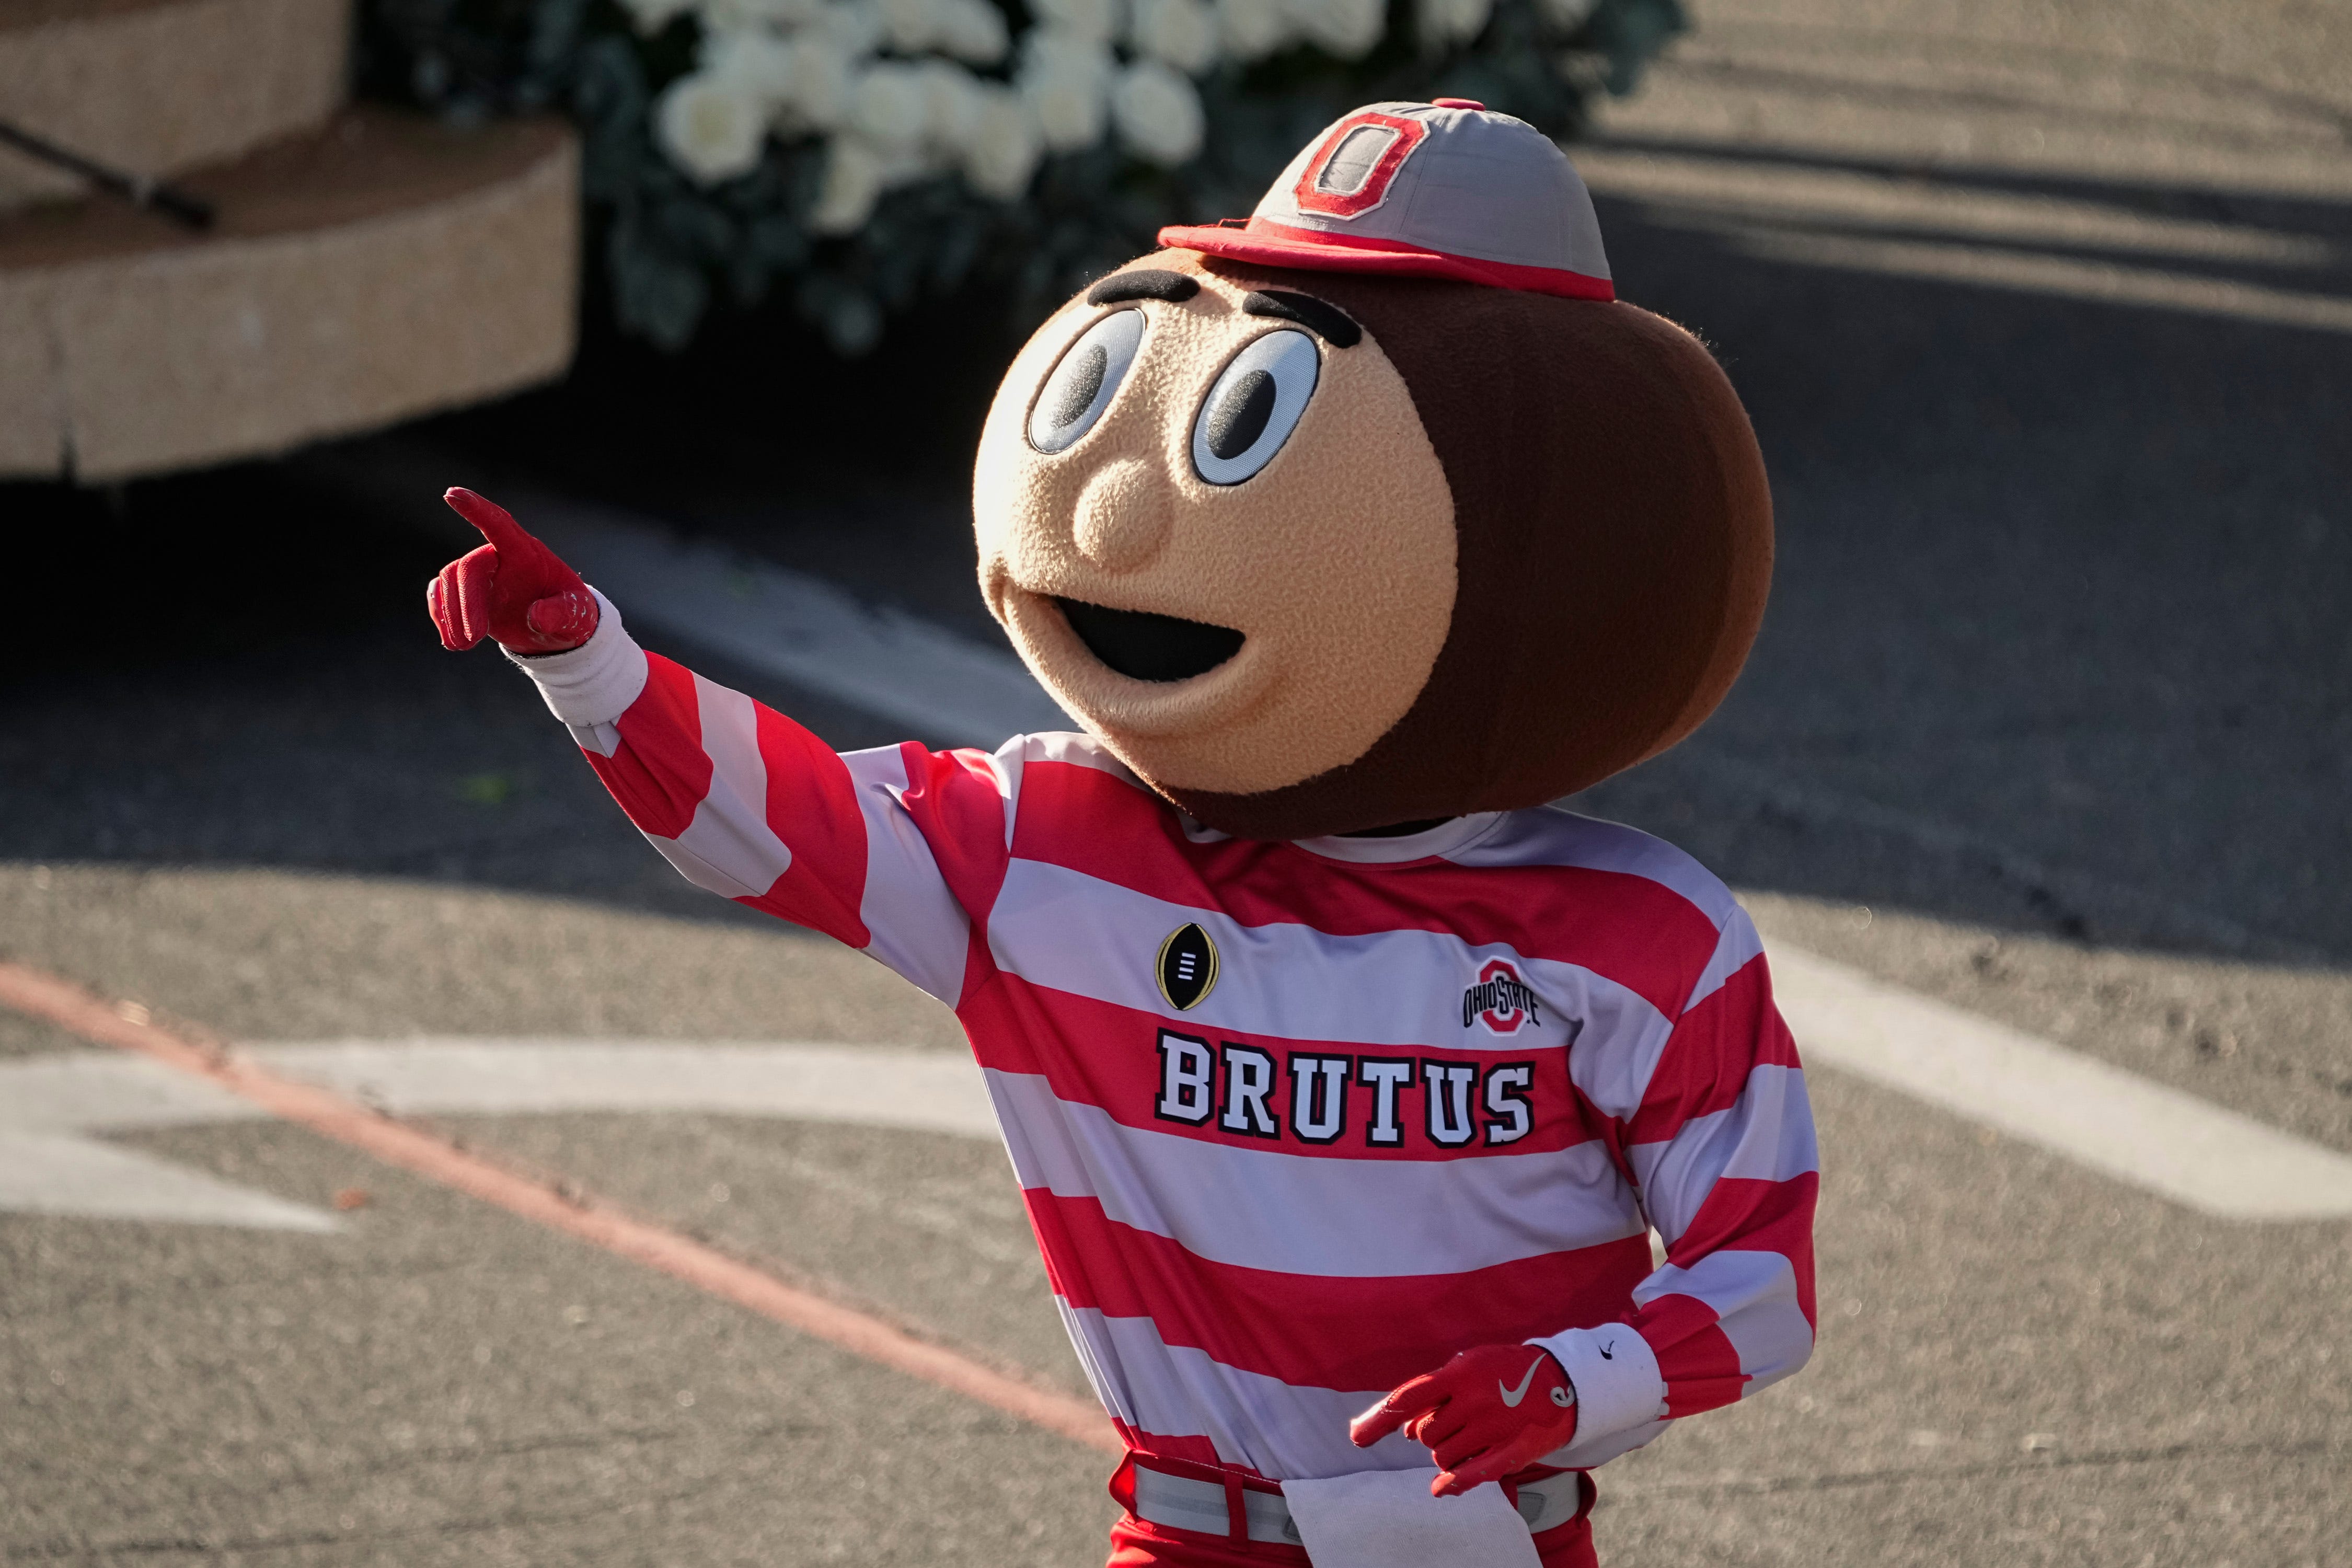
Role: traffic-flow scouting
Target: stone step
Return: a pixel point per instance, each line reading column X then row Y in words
column 386, row 267
column 154, row 86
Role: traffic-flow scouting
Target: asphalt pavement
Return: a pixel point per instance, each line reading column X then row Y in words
column 2051, row 720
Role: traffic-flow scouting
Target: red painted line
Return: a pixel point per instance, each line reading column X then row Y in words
column 67, row 1005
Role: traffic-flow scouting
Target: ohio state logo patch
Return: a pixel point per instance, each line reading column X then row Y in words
column 1500, row 1000
column 1350, row 173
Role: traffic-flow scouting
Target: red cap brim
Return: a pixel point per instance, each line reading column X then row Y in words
column 1273, row 244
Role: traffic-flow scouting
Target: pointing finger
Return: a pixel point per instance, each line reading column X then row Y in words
column 498, row 525
column 1373, row 1425
column 1404, row 1402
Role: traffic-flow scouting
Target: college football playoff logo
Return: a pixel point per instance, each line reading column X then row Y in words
column 1187, row 967
column 1500, row 1000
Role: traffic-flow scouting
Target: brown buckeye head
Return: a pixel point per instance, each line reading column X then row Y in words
column 1313, row 553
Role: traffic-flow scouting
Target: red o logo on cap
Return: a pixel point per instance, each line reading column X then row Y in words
column 1351, row 172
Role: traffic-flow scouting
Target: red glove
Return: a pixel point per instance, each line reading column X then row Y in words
column 1490, row 1411
column 512, row 590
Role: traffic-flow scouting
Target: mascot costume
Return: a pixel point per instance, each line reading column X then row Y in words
column 1346, row 1078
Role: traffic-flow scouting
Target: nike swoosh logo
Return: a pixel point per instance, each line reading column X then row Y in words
column 1511, row 1396
column 1604, row 1352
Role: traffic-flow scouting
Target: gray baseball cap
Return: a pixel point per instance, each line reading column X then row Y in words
column 1448, row 189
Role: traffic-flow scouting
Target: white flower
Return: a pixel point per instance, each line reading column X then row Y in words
column 856, row 28
column 910, row 25
column 854, row 174
column 1443, row 22
column 1346, row 28
column 1097, row 19
column 1066, row 76
column 723, row 15
column 951, row 104
column 760, row 61
column 652, row 16
column 972, row 30
column 1181, row 32
column 817, row 93
column 1158, row 113
column 1567, row 14
column 1005, row 147
column 890, row 108
column 711, row 126
column 1252, row 30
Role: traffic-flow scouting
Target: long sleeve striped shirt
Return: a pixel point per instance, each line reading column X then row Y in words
column 1293, row 1121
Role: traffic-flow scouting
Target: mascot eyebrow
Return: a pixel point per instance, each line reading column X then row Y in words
column 1143, row 283
column 1329, row 323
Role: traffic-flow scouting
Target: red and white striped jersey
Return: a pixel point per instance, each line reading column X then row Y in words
column 1391, row 1098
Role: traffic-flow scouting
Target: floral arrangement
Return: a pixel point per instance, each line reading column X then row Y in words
column 873, row 152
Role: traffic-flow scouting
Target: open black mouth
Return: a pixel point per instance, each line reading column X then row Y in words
column 1145, row 647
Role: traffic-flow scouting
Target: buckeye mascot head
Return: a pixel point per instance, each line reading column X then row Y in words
column 1379, row 508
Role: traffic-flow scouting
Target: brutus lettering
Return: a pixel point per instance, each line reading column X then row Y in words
column 1228, row 1086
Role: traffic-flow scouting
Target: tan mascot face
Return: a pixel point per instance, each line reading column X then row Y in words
column 1177, row 487
column 1316, row 552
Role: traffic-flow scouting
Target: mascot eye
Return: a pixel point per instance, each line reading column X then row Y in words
column 1254, row 406
column 1081, row 385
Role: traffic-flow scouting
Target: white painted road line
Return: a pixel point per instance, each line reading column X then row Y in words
column 949, row 689
column 2136, row 1131
column 871, row 1086
column 48, row 1167
column 917, row 1091
column 57, row 1174
column 48, row 1105
column 2155, row 1138
column 89, row 1092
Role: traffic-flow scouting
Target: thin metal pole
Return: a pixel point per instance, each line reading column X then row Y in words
column 139, row 190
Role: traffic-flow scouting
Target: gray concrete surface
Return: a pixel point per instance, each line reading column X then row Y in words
column 2050, row 719
column 444, row 1383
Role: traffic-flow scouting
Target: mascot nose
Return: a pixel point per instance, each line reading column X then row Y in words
column 1122, row 516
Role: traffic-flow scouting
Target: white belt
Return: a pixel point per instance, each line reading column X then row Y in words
column 1182, row 1503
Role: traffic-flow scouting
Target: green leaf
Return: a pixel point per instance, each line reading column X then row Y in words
column 654, row 293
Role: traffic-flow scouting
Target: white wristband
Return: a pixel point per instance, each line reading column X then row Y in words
column 1616, row 1378
column 595, row 683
